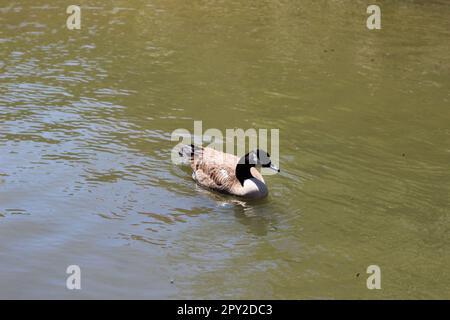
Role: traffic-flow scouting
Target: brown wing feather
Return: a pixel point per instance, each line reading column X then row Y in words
column 216, row 177
column 214, row 169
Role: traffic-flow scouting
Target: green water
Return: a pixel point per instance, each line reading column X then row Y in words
column 85, row 171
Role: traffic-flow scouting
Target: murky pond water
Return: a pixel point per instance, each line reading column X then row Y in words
column 85, row 171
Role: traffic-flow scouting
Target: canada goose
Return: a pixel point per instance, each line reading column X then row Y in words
column 227, row 173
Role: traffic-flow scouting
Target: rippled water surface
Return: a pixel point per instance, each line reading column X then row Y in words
column 85, row 171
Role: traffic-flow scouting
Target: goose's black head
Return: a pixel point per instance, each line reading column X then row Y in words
column 259, row 158
column 255, row 158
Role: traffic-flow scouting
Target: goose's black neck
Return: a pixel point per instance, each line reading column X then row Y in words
column 243, row 172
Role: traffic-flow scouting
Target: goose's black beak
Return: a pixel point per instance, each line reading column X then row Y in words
column 274, row 167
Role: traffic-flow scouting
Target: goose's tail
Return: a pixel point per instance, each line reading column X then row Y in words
column 188, row 152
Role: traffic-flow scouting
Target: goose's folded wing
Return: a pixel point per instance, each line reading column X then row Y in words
column 215, row 177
